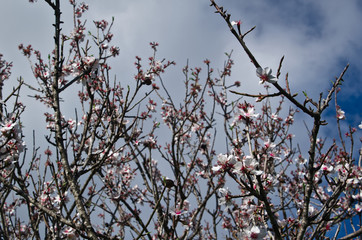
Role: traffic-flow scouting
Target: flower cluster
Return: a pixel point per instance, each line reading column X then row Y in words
column 224, row 163
column 49, row 197
column 11, row 141
column 81, row 9
column 247, row 165
column 101, row 24
column 245, row 114
column 5, row 69
column 155, row 68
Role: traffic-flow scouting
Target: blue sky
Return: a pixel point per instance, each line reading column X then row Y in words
column 317, row 38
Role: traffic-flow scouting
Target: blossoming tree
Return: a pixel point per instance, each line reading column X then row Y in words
column 113, row 171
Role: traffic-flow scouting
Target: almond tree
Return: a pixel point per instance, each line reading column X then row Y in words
column 135, row 162
column 313, row 198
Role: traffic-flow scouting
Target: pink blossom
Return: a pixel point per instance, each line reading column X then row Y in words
column 114, row 51
column 246, row 113
column 24, row 229
column 226, row 198
column 89, row 60
column 7, row 127
column 265, row 75
column 358, row 207
column 274, row 116
column 104, row 46
column 238, row 23
column 248, row 165
column 252, row 233
column 224, row 163
column 69, row 233
column 352, row 182
column 269, row 144
column 177, row 212
column 340, row 114
column 357, row 196
column 327, row 168
column 101, row 24
column 289, row 120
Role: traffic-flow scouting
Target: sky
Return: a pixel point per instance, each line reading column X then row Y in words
column 317, row 38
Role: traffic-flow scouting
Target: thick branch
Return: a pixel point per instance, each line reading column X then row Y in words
column 60, row 142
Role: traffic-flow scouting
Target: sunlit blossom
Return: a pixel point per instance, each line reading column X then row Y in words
column 274, row 116
column 236, row 23
column 354, row 182
column 224, row 163
column 340, row 114
column 248, row 165
column 289, row 119
column 269, row 144
column 7, row 127
column 357, row 197
column 327, row 168
column 265, row 75
column 249, row 113
column 177, row 212
column 312, row 210
column 252, row 233
column 358, row 207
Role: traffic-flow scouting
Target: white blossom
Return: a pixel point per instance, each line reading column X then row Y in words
column 265, row 75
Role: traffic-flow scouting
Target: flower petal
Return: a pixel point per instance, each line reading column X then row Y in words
column 267, row 71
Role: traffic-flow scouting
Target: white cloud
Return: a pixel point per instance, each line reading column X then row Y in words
column 316, row 37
